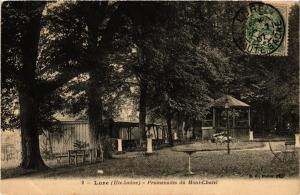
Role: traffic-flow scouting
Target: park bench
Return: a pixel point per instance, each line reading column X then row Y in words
column 74, row 155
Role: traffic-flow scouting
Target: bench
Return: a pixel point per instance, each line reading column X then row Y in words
column 74, row 155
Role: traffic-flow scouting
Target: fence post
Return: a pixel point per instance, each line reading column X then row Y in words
column 297, row 140
column 175, row 136
column 120, row 145
column 251, row 135
column 149, row 146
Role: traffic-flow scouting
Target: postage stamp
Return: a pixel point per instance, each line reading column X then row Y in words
column 261, row 29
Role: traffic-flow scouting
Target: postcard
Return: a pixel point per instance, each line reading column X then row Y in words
column 150, row 97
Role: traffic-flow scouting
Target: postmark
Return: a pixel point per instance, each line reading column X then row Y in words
column 260, row 29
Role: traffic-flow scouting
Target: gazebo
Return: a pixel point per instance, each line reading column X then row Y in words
column 238, row 119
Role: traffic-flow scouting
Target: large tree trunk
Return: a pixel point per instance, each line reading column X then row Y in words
column 31, row 157
column 100, row 138
column 95, row 110
column 142, row 109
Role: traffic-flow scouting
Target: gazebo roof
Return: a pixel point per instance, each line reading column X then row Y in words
column 233, row 102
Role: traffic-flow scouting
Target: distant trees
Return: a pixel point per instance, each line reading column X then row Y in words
column 270, row 84
column 145, row 21
column 188, row 68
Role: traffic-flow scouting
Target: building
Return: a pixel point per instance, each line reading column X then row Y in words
column 228, row 113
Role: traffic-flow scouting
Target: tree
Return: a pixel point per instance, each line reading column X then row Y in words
column 270, row 84
column 185, row 69
column 22, row 22
column 27, row 77
column 145, row 19
column 90, row 31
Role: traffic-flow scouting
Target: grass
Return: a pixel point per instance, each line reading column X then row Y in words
column 168, row 163
column 208, row 146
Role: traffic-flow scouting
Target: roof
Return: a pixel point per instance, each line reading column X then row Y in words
column 233, row 102
column 132, row 124
column 72, row 122
column 123, row 124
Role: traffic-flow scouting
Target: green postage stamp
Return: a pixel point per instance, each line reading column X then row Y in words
column 262, row 29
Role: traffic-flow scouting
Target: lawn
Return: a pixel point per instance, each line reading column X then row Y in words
column 169, row 163
column 208, row 146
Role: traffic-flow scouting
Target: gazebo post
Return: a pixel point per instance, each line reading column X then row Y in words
column 234, row 132
column 226, row 107
column 233, row 118
column 249, row 118
column 249, row 125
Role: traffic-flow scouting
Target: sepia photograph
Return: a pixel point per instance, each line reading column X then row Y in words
column 150, row 97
